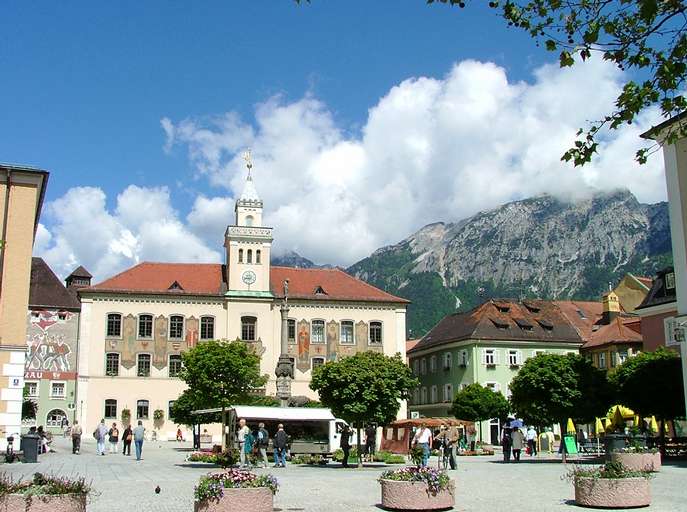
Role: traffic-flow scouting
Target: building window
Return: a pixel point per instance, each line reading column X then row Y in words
column 317, row 331
column 170, row 405
column 176, row 327
column 143, row 365
column 448, row 392
column 670, row 281
column 464, row 358
column 494, row 386
column 433, row 364
column 291, row 323
column 145, row 326
column 602, row 359
column 489, row 357
column 423, row 366
column 110, row 408
column 58, row 389
column 207, row 328
column 423, row 395
column 240, row 255
column 416, row 367
column 142, row 409
column 31, row 389
column 416, row 396
column 448, row 361
column 249, row 256
column 375, row 333
column 54, row 418
column 622, row 356
column 317, row 362
column 433, row 395
column 114, row 325
column 174, row 365
column 347, row 332
column 249, row 220
column 514, row 357
column 62, row 315
column 257, row 256
column 112, row 364
column 248, row 324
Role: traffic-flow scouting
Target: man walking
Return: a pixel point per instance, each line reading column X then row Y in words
column 280, row 443
column 423, row 439
column 532, row 441
column 345, row 444
column 241, row 436
column 518, row 442
column 506, row 444
column 76, row 438
column 370, row 442
column 100, row 434
column 127, row 437
column 139, row 433
column 262, row 443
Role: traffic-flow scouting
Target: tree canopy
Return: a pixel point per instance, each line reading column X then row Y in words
column 647, row 38
column 651, row 384
column 550, row 388
column 478, row 403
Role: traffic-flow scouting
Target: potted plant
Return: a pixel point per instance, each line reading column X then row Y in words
column 44, row 493
column 126, row 416
column 417, row 488
column 235, row 490
column 611, row 486
column 638, row 458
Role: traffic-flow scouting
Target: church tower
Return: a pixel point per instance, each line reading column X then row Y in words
column 248, row 244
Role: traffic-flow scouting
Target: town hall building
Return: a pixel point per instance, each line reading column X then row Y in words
column 135, row 325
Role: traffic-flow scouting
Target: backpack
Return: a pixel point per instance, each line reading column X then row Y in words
column 262, row 438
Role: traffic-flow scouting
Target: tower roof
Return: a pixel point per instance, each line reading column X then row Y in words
column 249, row 194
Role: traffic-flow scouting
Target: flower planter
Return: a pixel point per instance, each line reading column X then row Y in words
column 612, row 492
column 638, row 461
column 44, row 503
column 399, row 495
column 255, row 499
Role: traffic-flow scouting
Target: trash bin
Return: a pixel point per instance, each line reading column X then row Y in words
column 613, row 442
column 29, row 444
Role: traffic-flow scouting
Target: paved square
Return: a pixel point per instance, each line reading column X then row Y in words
column 483, row 483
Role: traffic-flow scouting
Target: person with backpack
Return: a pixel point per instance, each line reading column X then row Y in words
column 99, row 434
column 263, row 441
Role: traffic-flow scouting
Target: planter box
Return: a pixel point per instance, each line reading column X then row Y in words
column 416, row 496
column 612, row 493
column 46, row 503
column 638, row 461
column 256, row 499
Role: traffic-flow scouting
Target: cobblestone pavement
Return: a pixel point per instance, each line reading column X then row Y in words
column 483, row 483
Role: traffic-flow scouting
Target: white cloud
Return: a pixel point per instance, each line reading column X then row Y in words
column 431, row 149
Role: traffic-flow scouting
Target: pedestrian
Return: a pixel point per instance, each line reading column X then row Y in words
column 506, row 444
column 113, row 438
column 370, row 442
column 100, row 435
column 249, row 445
column 532, row 440
column 472, row 436
column 263, row 441
column 345, row 444
column 180, row 436
column 241, row 436
column 138, row 433
column 127, row 437
column 280, row 443
column 76, row 438
column 43, row 440
column 423, row 440
column 65, row 426
column 453, row 440
column 517, row 442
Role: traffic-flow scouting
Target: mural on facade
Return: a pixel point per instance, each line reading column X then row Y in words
column 51, row 344
column 332, row 340
column 303, row 360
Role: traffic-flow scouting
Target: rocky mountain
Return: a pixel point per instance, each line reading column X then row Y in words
column 539, row 247
column 291, row 259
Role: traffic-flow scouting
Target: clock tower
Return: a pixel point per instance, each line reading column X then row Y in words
column 248, row 244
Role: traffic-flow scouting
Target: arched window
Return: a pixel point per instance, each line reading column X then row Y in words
column 114, row 325
column 142, row 409
column 248, row 328
column 257, row 256
column 249, row 258
column 347, row 332
column 240, row 255
column 249, row 220
column 54, row 418
column 110, row 408
column 375, row 333
column 423, row 395
column 145, row 326
column 317, row 331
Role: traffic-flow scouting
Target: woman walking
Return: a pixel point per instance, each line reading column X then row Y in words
column 126, row 440
column 113, row 438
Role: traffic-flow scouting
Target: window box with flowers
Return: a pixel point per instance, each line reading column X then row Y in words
column 417, row 488
column 235, row 490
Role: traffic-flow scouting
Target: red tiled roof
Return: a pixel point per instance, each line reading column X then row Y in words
column 411, row 343
column 194, row 278
column 335, row 283
column 575, row 310
column 616, row 332
column 646, row 281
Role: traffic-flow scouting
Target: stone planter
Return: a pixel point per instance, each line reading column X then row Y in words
column 46, row 503
column 253, row 499
column 612, row 492
column 416, row 496
column 638, row 461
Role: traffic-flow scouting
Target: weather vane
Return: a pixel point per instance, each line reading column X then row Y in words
column 249, row 161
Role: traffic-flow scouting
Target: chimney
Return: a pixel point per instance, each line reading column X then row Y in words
column 80, row 278
column 611, row 308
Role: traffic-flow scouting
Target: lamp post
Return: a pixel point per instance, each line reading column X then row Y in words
column 284, row 370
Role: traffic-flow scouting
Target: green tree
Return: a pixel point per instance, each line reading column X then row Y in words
column 29, row 408
column 477, row 403
column 551, row 388
column 651, row 384
column 646, row 37
column 364, row 388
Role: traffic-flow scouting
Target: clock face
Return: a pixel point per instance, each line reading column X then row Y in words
column 248, row 277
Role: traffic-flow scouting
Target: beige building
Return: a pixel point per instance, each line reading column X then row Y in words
column 21, row 196
column 135, row 325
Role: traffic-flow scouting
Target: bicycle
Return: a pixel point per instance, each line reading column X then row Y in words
column 443, row 461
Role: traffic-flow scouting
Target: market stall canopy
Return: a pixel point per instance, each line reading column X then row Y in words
column 430, row 422
column 275, row 413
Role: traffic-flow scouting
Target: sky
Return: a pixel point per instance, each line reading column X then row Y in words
column 366, row 121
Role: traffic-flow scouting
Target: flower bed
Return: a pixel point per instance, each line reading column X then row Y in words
column 417, row 488
column 235, row 490
column 224, row 459
column 474, row 453
column 638, row 459
column 611, row 486
column 44, row 494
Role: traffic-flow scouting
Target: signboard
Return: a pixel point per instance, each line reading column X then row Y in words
column 570, row 445
column 414, row 415
column 37, row 375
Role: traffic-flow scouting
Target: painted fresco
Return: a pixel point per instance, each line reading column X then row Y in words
column 127, row 346
column 303, row 333
column 332, row 340
column 192, row 333
column 159, row 342
column 51, row 343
